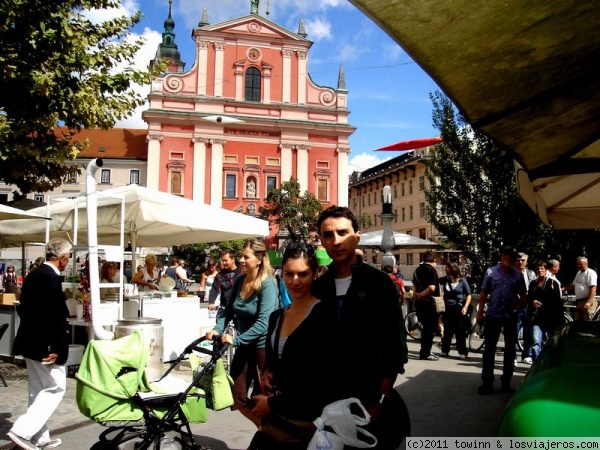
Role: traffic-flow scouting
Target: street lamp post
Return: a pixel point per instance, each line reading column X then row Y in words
column 387, row 238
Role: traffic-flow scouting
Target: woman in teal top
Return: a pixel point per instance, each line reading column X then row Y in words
column 253, row 299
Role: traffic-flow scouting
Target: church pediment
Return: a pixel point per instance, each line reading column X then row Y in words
column 253, row 25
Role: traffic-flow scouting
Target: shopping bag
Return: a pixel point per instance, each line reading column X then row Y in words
column 346, row 427
column 216, row 383
column 440, row 306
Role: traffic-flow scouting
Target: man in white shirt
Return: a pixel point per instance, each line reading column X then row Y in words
column 553, row 268
column 584, row 284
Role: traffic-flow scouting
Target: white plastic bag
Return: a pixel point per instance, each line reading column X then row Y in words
column 345, row 425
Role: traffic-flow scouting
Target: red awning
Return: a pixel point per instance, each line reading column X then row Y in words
column 411, row 145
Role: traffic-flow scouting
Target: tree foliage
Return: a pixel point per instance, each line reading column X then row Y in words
column 57, row 67
column 196, row 256
column 472, row 195
column 287, row 208
column 365, row 221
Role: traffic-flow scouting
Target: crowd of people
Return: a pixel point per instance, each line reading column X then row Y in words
column 293, row 360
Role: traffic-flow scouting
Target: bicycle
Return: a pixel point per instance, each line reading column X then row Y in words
column 477, row 342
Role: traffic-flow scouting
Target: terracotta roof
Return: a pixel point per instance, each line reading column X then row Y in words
column 117, row 143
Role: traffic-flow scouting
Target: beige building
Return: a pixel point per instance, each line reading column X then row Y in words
column 405, row 174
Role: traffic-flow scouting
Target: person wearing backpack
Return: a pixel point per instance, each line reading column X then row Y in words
column 398, row 283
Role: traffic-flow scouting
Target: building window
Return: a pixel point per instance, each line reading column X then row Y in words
column 323, row 190
column 422, row 233
column 369, row 199
column 374, row 198
column 230, row 185
column 409, row 232
column 402, row 189
column 363, row 200
column 134, row 176
column 396, row 215
column 421, row 210
column 272, row 184
column 395, row 191
column 409, row 259
column 354, row 203
column 72, row 178
column 3, row 198
column 39, row 197
column 176, row 183
column 421, row 183
column 406, row 175
column 410, row 187
column 410, row 213
column 252, row 85
column 105, row 176
column 403, row 214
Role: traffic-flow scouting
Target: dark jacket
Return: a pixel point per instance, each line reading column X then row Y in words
column 44, row 315
column 301, row 375
column 223, row 284
column 550, row 315
column 366, row 335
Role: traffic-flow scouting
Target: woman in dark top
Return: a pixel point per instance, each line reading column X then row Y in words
column 457, row 300
column 297, row 364
column 544, row 308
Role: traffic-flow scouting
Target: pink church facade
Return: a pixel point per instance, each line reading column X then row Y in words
column 245, row 118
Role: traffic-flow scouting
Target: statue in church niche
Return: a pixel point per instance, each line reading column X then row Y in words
column 254, row 6
column 251, row 188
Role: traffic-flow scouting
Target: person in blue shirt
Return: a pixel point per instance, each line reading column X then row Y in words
column 505, row 292
column 253, row 299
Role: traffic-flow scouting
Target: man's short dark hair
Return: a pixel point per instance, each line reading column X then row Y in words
column 429, row 256
column 229, row 252
column 388, row 269
column 336, row 212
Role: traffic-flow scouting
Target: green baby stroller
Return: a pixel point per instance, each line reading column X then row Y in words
column 112, row 389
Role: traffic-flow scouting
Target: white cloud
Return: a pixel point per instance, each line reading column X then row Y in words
column 127, row 8
column 318, row 28
column 364, row 161
column 143, row 57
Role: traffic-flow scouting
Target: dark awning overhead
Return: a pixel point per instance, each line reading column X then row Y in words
column 526, row 74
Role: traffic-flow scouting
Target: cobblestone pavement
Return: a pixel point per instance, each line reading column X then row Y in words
column 441, row 396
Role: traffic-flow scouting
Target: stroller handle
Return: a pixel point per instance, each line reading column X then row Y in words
column 217, row 351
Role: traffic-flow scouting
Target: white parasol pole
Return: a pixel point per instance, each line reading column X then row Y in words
column 94, row 276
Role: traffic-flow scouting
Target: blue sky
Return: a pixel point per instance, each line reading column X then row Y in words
column 388, row 92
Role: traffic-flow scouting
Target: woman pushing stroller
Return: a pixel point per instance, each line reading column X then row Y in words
column 253, row 299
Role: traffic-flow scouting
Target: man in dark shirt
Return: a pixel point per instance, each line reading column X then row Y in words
column 224, row 280
column 426, row 285
column 362, row 306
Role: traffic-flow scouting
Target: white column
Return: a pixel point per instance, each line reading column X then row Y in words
column 342, row 175
column 199, row 173
column 219, row 63
column 286, row 162
column 266, row 97
column 202, row 49
column 287, row 76
column 239, row 81
column 216, row 172
column 153, row 175
column 302, row 73
column 302, row 166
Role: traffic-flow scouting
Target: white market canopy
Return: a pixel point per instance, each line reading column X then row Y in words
column 151, row 219
column 372, row 239
column 524, row 72
column 10, row 213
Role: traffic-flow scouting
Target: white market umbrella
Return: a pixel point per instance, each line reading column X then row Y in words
column 151, row 219
column 372, row 239
column 10, row 213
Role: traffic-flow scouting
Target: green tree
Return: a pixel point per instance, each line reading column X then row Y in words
column 287, row 208
column 197, row 255
column 472, row 195
column 58, row 68
column 365, row 221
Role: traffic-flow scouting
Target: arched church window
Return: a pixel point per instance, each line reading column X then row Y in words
column 253, row 81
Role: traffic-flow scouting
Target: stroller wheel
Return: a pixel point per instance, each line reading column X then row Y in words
column 104, row 446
